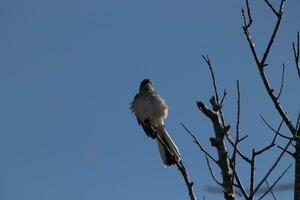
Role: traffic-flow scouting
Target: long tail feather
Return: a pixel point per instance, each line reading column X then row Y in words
column 168, row 151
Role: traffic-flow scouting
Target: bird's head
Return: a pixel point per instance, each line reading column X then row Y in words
column 146, row 85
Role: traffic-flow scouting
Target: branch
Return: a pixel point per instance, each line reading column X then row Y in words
column 270, row 190
column 223, row 98
column 296, row 51
column 245, row 158
column 252, row 163
column 240, row 185
column 195, row 140
column 207, row 60
column 218, row 142
column 217, row 105
column 262, row 63
column 273, row 185
column 273, row 166
column 280, row 134
column 207, row 155
column 271, row 144
column 287, row 151
column 282, row 81
column 272, row 8
column 271, row 41
column 298, row 124
column 181, row 168
column 237, row 137
column 212, row 173
column 252, row 168
column 237, row 140
column 247, row 24
column 187, row 181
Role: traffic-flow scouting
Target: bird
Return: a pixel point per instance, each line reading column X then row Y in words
column 151, row 111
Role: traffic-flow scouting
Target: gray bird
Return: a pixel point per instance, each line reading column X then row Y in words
column 151, row 111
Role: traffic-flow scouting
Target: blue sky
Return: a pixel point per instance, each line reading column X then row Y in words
column 69, row 69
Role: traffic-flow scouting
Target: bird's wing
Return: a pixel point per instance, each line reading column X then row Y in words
column 150, row 132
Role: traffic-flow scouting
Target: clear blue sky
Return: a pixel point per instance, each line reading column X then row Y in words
column 69, row 69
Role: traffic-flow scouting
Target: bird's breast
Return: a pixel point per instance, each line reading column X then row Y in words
column 152, row 108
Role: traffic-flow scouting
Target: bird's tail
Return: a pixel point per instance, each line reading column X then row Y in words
column 167, row 148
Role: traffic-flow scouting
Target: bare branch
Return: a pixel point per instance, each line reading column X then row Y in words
column 252, row 170
column 278, row 179
column 212, row 173
column 182, row 169
column 223, row 98
column 235, row 149
column 270, row 190
column 247, row 24
column 215, row 116
column 238, row 112
column 282, row 81
column 240, row 140
column 207, row 60
column 245, row 158
column 262, row 63
column 240, row 185
column 296, row 51
column 280, row 134
column 195, row 140
column 272, row 8
column 271, row 41
column 187, row 181
column 272, row 142
column 237, row 136
column 287, row 151
column 273, row 166
column 210, row 114
column 246, row 27
column 277, row 104
column 265, row 148
column 298, row 124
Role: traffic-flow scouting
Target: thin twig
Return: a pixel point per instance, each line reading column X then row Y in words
column 282, row 81
column 273, row 140
column 271, row 41
column 272, row 8
column 262, row 63
column 273, row 166
column 278, row 179
column 244, row 157
column 237, row 141
column 207, row 60
column 265, row 148
column 252, row 170
column 237, row 136
column 240, row 185
column 287, row 151
column 180, row 166
column 241, row 139
column 195, row 140
column 296, row 51
column 223, row 98
column 298, row 124
column 233, row 160
column 270, row 190
column 268, row 146
column 212, row 173
column 247, row 25
column 280, row 134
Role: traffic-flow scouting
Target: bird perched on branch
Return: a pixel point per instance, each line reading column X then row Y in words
column 151, row 111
